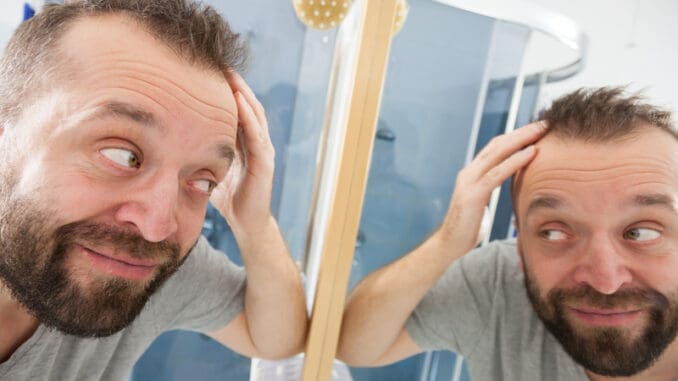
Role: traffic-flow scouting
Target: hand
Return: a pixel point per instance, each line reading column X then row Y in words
column 497, row 161
column 244, row 197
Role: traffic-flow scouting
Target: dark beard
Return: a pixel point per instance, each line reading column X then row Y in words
column 32, row 266
column 608, row 351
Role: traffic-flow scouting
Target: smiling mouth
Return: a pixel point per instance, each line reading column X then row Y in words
column 123, row 267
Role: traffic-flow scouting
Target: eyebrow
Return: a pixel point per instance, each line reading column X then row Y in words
column 544, row 202
column 226, row 152
column 140, row 116
column 657, row 199
column 128, row 111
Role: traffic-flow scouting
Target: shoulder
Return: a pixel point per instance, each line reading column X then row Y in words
column 202, row 261
column 483, row 270
column 459, row 312
column 496, row 262
column 206, row 278
column 501, row 250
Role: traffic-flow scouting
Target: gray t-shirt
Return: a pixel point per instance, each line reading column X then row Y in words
column 480, row 309
column 205, row 294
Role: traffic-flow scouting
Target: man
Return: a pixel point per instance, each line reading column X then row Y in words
column 119, row 119
column 590, row 288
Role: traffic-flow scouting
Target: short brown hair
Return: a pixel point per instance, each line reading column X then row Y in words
column 604, row 114
column 600, row 115
column 195, row 32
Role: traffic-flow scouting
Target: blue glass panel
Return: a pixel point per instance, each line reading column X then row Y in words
column 435, row 72
column 493, row 123
column 409, row 369
column 427, row 112
column 181, row 355
column 509, row 44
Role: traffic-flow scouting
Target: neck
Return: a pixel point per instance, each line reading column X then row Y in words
column 18, row 325
column 663, row 370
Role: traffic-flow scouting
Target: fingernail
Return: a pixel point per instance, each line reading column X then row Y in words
column 528, row 150
column 543, row 124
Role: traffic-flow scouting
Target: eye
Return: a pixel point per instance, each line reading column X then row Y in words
column 123, row 157
column 641, row 234
column 553, row 235
column 205, row 186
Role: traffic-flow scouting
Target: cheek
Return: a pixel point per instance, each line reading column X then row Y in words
column 74, row 198
column 546, row 270
column 544, row 276
column 190, row 223
column 33, row 176
column 658, row 273
column 50, row 177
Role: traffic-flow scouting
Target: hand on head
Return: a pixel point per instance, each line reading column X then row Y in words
column 498, row 161
column 244, row 197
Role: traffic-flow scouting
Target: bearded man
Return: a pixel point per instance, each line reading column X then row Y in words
column 588, row 291
column 119, row 120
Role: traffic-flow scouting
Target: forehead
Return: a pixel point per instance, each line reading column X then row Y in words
column 113, row 56
column 645, row 163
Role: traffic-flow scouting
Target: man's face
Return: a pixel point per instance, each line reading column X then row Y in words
column 598, row 238
column 106, row 177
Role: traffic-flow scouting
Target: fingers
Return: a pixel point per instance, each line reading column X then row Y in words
column 498, row 161
column 503, row 147
column 257, row 142
column 500, row 173
column 255, row 139
column 246, row 202
column 239, row 85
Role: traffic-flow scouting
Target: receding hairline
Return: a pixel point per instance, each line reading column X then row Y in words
column 32, row 61
column 64, row 67
column 642, row 127
column 605, row 113
column 59, row 57
column 637, row 129
column 131, row 19
column 154, row 28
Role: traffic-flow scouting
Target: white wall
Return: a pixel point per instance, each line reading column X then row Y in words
column 11, row 14
column 631, row 42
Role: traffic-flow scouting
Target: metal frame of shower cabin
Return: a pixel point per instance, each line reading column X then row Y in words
column 344, row 155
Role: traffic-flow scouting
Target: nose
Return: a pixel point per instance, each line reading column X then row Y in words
column 152, row 208
column 602, row 267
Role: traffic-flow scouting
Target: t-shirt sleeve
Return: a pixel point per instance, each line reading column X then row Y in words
column 205, row 294
column 455, row 313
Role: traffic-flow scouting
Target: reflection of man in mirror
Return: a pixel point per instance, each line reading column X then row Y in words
column 119, row 123
column 589, row 290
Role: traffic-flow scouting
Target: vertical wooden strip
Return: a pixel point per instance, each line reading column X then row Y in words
column 337, row 254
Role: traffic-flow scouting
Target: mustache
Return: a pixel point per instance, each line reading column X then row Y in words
column 636, row 297
column 132, row 243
